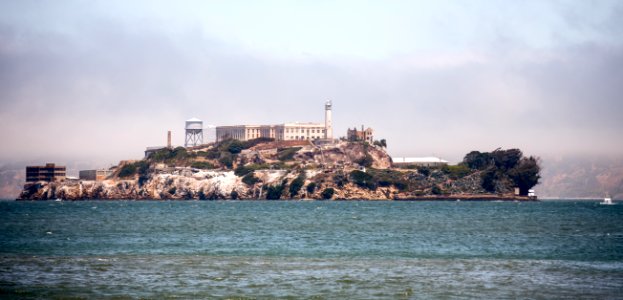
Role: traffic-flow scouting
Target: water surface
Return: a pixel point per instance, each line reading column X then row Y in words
column 299, row 249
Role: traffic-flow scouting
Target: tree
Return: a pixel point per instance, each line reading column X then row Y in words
column 383, row 143
column 274, row 192
column 477, row 160
column 327, row 193
column 311, row 187
column 363, row 179
column 365, row 161
column 488, row 180
column 235, row 147
column 526, row 174
column 506, row 159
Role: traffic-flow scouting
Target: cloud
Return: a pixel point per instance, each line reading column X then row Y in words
column 107, row 88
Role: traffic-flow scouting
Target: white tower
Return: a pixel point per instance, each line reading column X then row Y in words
column 328, row 122
column 194, row 132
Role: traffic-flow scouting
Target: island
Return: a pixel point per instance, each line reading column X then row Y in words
column 267, row 169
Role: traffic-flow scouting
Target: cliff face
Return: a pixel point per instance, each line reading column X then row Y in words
column 265, row 171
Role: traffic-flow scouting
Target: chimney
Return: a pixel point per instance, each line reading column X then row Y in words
column 169, row 139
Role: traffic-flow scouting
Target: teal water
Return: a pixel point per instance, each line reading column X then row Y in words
column 299, row 249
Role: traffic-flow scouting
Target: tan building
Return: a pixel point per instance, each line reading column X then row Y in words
column 49, row 172
column 97, row 175
column 281, row 132
column 366, row 135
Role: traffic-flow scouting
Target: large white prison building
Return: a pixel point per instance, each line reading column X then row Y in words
column 280, row 132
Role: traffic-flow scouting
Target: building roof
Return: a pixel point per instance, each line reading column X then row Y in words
column 193, row 120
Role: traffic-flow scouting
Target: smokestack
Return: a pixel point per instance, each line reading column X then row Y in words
column 169, row 139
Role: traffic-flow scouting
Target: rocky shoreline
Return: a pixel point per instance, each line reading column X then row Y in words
column 268, row 170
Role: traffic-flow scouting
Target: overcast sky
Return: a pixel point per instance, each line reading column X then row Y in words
column 101, row 80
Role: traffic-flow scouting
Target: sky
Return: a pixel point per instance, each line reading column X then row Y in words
column 101, row 80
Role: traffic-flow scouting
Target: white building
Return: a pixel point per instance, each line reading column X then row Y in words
column 280, row 132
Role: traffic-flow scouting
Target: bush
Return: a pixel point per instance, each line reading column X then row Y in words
column 274, row 192
column 488, row 180
column 170, row 155
column 401, row 185
column 340, row 180
column 127, row 170
column 296, row 185
column 242, row 171
column 311, row 188
column 227, row 160
column 287, row 153
column 202, row 165
column 235, row 147
column 234, row 195
column 363, row 179
column 142, row 167
column 365, row 161
column 424, row 171
column 436, row 190
column 250, row 179
column 327, row 193
column 456, row 172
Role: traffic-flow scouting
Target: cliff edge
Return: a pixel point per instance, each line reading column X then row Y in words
column 267, row 169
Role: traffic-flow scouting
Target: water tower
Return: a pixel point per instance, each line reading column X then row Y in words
column 194, row 132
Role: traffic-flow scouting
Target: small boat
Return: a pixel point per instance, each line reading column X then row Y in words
column 607, row 201
column 58, row 200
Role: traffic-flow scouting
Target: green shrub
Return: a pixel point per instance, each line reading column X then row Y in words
column 274, row 192
column 297, row 184
column 401, row 185
column 287, row 153
column 140, row 167
column 456, row 172
column 340, row 180
column 202, row 165
column 363, row 179
column 127, row 170
column 424, row 171
column 234, row 195
column 235, row 147
column 242, row 171
column 250, row 179
column 311, row 187
column 227, row 160
column 436, row 190
column 365, row 161
column 327, row 193
column 210, row 154
column 170, row 155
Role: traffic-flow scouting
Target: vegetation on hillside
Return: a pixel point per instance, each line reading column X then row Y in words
column 503, row 167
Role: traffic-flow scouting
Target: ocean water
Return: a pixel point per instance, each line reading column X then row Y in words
column 310, row 249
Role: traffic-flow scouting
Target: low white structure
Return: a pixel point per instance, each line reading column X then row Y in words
column 430, row 161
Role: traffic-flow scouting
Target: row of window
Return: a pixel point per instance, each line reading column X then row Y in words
column 301, row 130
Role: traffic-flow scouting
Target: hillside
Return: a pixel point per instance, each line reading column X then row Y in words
column 265, row 169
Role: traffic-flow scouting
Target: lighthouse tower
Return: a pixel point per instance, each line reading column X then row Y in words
column 328, row 122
